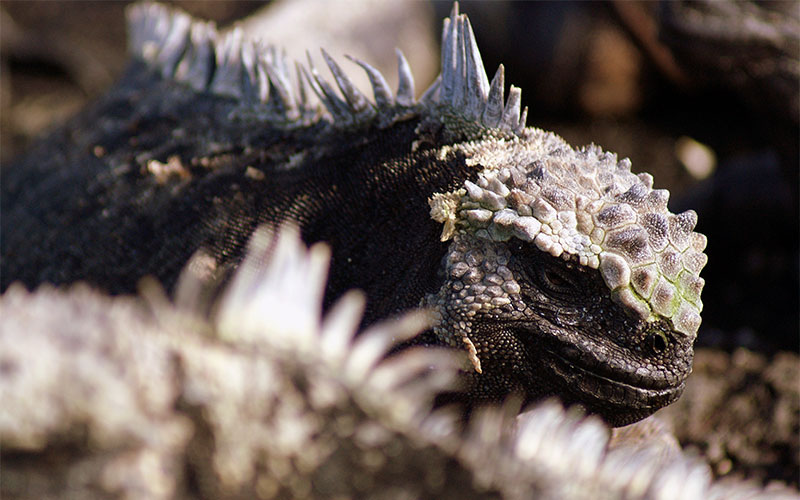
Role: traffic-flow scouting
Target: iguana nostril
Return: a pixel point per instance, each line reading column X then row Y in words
column 657, row 342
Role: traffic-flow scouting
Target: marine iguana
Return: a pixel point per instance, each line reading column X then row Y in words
column 557, row 270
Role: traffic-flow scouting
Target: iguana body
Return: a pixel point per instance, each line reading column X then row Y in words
column 558, row 271
column 323, row 178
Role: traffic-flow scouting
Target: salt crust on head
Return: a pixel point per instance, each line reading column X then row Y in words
column 584, row 205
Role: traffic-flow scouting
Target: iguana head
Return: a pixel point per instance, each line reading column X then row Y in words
column 566, row 274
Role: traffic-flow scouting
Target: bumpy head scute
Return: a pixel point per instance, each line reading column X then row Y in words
column 586, row 206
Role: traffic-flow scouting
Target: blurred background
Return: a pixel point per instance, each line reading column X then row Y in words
column 703, row 95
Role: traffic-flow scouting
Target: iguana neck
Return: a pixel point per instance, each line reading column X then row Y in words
column 367, row 198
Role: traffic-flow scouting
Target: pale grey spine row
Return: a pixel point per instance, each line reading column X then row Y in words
column 195, row 53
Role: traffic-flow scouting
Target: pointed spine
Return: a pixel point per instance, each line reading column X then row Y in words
column 405, row 86
column 448, row 72
column 262, row 73
column 493, row 110
column 337, row 108
column 476, row 80
column 460, row 89
column 277, row 87
column 174, row 44
column 357, row 101
column 380, row 89
column 228, row 75
column 510, row 118
column 249, row 72
column 523, row 118
column 196, row 67
column 302, row 94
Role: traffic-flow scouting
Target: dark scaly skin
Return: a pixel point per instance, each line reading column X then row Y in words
column 69, row 215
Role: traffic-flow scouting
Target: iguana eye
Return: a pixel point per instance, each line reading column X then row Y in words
column 556, row 281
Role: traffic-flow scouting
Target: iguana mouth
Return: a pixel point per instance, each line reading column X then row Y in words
column 602, row 394
column 598, row 377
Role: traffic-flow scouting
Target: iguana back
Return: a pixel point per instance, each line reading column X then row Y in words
column 155, row 171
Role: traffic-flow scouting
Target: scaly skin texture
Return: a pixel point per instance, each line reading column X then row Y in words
column 339, row 190
column 559, row 315
column 556, row 270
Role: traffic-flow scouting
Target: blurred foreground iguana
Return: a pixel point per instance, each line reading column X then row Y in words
column 118, row 397
column 556, row 270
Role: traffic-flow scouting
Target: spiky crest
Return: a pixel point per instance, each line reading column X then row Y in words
column 197, row 54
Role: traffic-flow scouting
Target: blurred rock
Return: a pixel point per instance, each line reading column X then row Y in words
column 367, row 29
column 741, row 411
column 752, row 47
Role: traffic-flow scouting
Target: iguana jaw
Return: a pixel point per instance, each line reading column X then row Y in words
column 585, row 373
column 617, row 402
column 524, row 358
